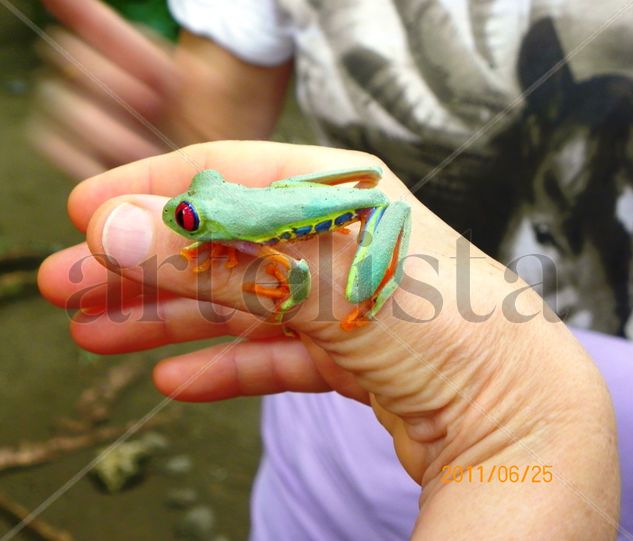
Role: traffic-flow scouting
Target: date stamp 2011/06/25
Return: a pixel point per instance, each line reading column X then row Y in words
column 497, row 473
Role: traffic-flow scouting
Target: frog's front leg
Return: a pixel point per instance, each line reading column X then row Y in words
column 213, row 250
column 292, row 276
column 377, row 267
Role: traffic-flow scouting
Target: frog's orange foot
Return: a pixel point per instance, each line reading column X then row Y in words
column 219, row 250
column 193, row 252
column 231, row 255
column 276, row 293
column 356, row 318
column 213, row 251
column 344, row 231
column 204, row 266
column 279, row 293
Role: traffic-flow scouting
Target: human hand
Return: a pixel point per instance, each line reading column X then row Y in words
column 450, row 387
column 119, row 94
column 103, row 65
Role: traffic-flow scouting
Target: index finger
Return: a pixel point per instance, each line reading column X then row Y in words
column 252, row 163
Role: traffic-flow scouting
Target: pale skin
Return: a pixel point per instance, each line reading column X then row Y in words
column 448, row 391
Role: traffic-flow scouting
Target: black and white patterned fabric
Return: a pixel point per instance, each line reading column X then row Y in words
column 511, row 119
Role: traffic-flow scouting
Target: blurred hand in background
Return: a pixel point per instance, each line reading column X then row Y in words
column 118, row 93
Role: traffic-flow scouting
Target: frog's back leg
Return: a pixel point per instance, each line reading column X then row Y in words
column 367, row 177
column 293, row 276
column 377, row 267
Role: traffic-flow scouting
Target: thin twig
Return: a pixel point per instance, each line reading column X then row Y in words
column 22, row 260
column 38, row 526
column 95, row 403
column 16, row 283
column 33, row 453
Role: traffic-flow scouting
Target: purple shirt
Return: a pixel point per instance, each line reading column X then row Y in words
column 329, row 471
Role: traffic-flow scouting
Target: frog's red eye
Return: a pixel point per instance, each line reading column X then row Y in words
column 186, row 216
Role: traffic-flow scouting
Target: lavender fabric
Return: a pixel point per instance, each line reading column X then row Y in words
column 329, row 471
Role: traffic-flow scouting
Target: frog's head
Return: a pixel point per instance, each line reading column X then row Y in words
column 190, row 213
column 191, row 217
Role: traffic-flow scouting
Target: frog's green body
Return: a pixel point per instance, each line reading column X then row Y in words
column 254, row 219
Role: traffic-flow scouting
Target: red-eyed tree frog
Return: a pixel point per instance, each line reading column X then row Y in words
column 224, row 218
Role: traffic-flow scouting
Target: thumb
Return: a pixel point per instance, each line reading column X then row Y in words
column 128, row 235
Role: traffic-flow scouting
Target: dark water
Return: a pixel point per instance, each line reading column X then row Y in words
column 42, row 372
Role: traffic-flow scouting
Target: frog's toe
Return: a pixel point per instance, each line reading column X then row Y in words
column 292, row 289
column 191, row 252
column 203, row 267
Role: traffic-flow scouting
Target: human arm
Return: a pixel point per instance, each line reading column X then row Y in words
column 450, row 391
column 119, row 95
